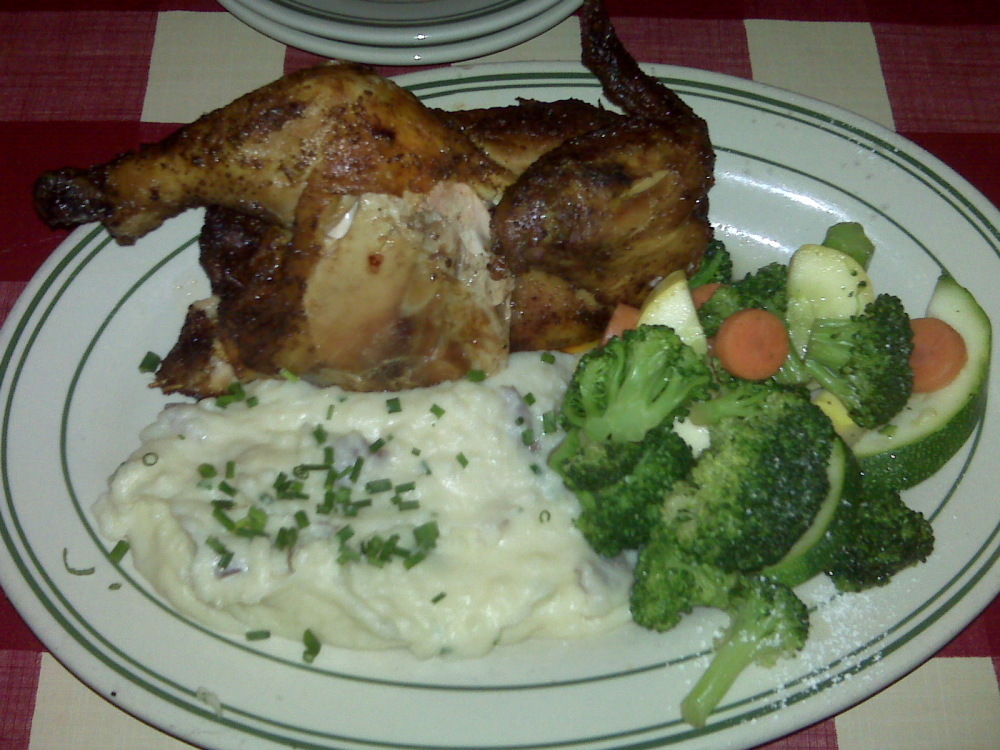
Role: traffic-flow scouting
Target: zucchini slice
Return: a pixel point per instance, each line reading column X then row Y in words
column 932, row 427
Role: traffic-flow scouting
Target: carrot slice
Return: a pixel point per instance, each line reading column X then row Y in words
column 939, row 354
column 752, row 344
column 702, row 294
column 623, row 318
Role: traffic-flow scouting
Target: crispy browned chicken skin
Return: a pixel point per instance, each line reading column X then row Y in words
column 349, row 236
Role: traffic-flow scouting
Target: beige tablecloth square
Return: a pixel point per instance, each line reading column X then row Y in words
column 69, row 714
column 202, row 61
column 834, row 62
column 947, row 704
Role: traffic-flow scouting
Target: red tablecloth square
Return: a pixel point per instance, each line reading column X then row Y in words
column 942, row 79
column 24, row 241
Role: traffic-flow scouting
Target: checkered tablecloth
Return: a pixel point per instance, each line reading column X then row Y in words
column 83, row 80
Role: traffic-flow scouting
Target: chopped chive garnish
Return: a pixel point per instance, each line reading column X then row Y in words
column 529, row 399
column 286, row 537
column 415, row 451
column 288, row 375
column 437, row 411
column 378, row 445
column 219, row 514
column 462, row 460
column 405, row 487
column 356, row 469
column 227, row 489
column 426, row 535
column 545, row 516
column 407, row 504
column 378, row 485
column 548, row 358
column 301, row 519
column 476, row 376
column 150, row 362
column 114, row 586
column 550, row 422
column 426, row 467
column 258, row 635
column 393, row 406
column 233, row 394
column 252, row 524
column 312, row 644
column 75, row 571
column 252, row 401
column 351, row 509
column 329, row 412
column 230, row 469
column 536, row 468
column 379, row 551
column 150, row 459
column 438, row 597
column 225, row 556
column 347, row 554
column 119, row 551
column 320, row 434
column 344, row 534
column 528, row 436
column 328, row 455
column 207, row 471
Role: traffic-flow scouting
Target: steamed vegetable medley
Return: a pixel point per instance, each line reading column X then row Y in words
column 807, row 400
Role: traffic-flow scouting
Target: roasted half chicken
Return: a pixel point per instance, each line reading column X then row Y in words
column 356, row 237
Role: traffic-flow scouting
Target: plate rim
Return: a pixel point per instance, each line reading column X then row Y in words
column 432, row 54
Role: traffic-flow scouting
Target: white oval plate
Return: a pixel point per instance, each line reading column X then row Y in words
column 400, row 23
column 425, row 54
column 73, row 403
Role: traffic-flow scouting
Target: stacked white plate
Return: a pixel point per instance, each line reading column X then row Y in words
column 401, row 32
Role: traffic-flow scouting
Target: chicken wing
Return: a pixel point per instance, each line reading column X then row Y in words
column 603, row 215
column 339, row 129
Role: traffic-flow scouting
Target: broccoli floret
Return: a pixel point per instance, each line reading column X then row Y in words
column 765, row 288
column 645, row 377
column 669, row 583
column 757, row 488
column 587, row 465
column 767, row 619
column 619, row 512
column 716, row 266
column 869, row 536
column 872, row 540
column 619, row 454
column 864, row 361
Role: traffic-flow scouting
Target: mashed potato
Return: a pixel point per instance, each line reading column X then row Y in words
column 425, row 519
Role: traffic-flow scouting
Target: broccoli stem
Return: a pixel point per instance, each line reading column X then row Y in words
column 734, row 653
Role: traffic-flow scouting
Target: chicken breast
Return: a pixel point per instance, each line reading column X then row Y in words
column 396, row 292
